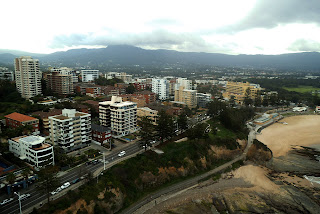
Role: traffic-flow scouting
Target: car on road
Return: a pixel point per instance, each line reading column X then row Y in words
column 76, row 180
column 24, row 196
column 122, row 153
column 5, row 201
column 65, row 185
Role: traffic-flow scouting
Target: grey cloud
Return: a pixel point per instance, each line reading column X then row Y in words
column 304, row 45
column 271, row 13
column 159, row 39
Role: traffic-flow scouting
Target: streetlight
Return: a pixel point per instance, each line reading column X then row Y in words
column 18, row 194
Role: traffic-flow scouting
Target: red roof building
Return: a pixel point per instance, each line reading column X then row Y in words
column 15, row 120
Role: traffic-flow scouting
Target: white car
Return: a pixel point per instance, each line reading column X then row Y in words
column 122, row 153
column 65, row 185
column 5, row 201
column 24, row 196
column 56, row 191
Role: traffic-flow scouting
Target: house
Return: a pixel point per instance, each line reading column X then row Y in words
column 100, row 134
column 15, row 120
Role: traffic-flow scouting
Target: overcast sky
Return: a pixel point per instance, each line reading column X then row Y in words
column 215, row 26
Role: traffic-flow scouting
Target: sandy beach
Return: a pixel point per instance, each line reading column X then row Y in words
column 302, row 130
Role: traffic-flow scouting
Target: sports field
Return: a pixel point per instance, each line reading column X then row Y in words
column 302, row 89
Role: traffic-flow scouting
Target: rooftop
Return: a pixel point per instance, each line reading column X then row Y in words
column 19, row 117
column 99, row 128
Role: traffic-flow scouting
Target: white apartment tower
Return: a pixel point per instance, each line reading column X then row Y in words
column 161, row 87
column 120, row 116
column 32, row 149
column 89, row 75
column 28, row 76
column 71, row 130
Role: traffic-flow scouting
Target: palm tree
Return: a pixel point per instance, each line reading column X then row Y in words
column 11, row 178
column 25, row 173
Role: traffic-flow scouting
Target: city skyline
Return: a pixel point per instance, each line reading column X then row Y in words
column 230, row 27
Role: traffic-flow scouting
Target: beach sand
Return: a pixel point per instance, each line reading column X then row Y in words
column 302, row 130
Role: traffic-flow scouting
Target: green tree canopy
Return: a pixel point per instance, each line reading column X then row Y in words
column 146, row 131
column 165, row 126
column 48, row 180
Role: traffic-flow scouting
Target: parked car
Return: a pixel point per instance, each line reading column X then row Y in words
column 5, row 201
column 122, row 153
column 65, row 185
column 24, row 196
column 76, row 180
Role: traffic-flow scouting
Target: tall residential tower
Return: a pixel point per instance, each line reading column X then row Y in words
column 28, row 76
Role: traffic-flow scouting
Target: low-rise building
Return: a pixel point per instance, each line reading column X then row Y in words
column 14, row 120
column 100, row 134
column 149, row 113
column 71, row 130
column 203, row 99
column 32, row 149
column 5, row 74
column 45, row 116
column 149, row 96
column 239, row 91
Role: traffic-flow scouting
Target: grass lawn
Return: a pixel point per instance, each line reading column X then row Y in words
column 302, row 89
column 222, row 131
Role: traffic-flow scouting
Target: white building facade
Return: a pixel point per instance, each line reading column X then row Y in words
column 187, row 84
column 161, row 87
column 120, row 117
column 28, row 76
column 89, row 75
column 5, row 74
column 71, row 130
column 32, row 149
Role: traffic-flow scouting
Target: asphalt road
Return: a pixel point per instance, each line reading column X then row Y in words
column 38, row 196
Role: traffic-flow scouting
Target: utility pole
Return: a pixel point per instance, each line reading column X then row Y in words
column 18, row 194
column 104, row 161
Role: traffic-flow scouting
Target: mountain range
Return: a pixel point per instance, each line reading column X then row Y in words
column 130, row 55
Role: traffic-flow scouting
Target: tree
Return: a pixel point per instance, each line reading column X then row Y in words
column 215, row 108
column 25, row 173
column 182, row 121
column 165, row 127
column 247, row 97
column 11, row 178
column 232, row 100
column 130, row 89
column 146, row 132
column 198, row 131
column 48, row 180
column 257, row 99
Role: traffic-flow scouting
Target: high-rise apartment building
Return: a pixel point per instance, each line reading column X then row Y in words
column 60, row 81
column 120, row 116
column 189, row 97
column 89, row 75
column 161, row 87
column 28, row 76
column 71, row 130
